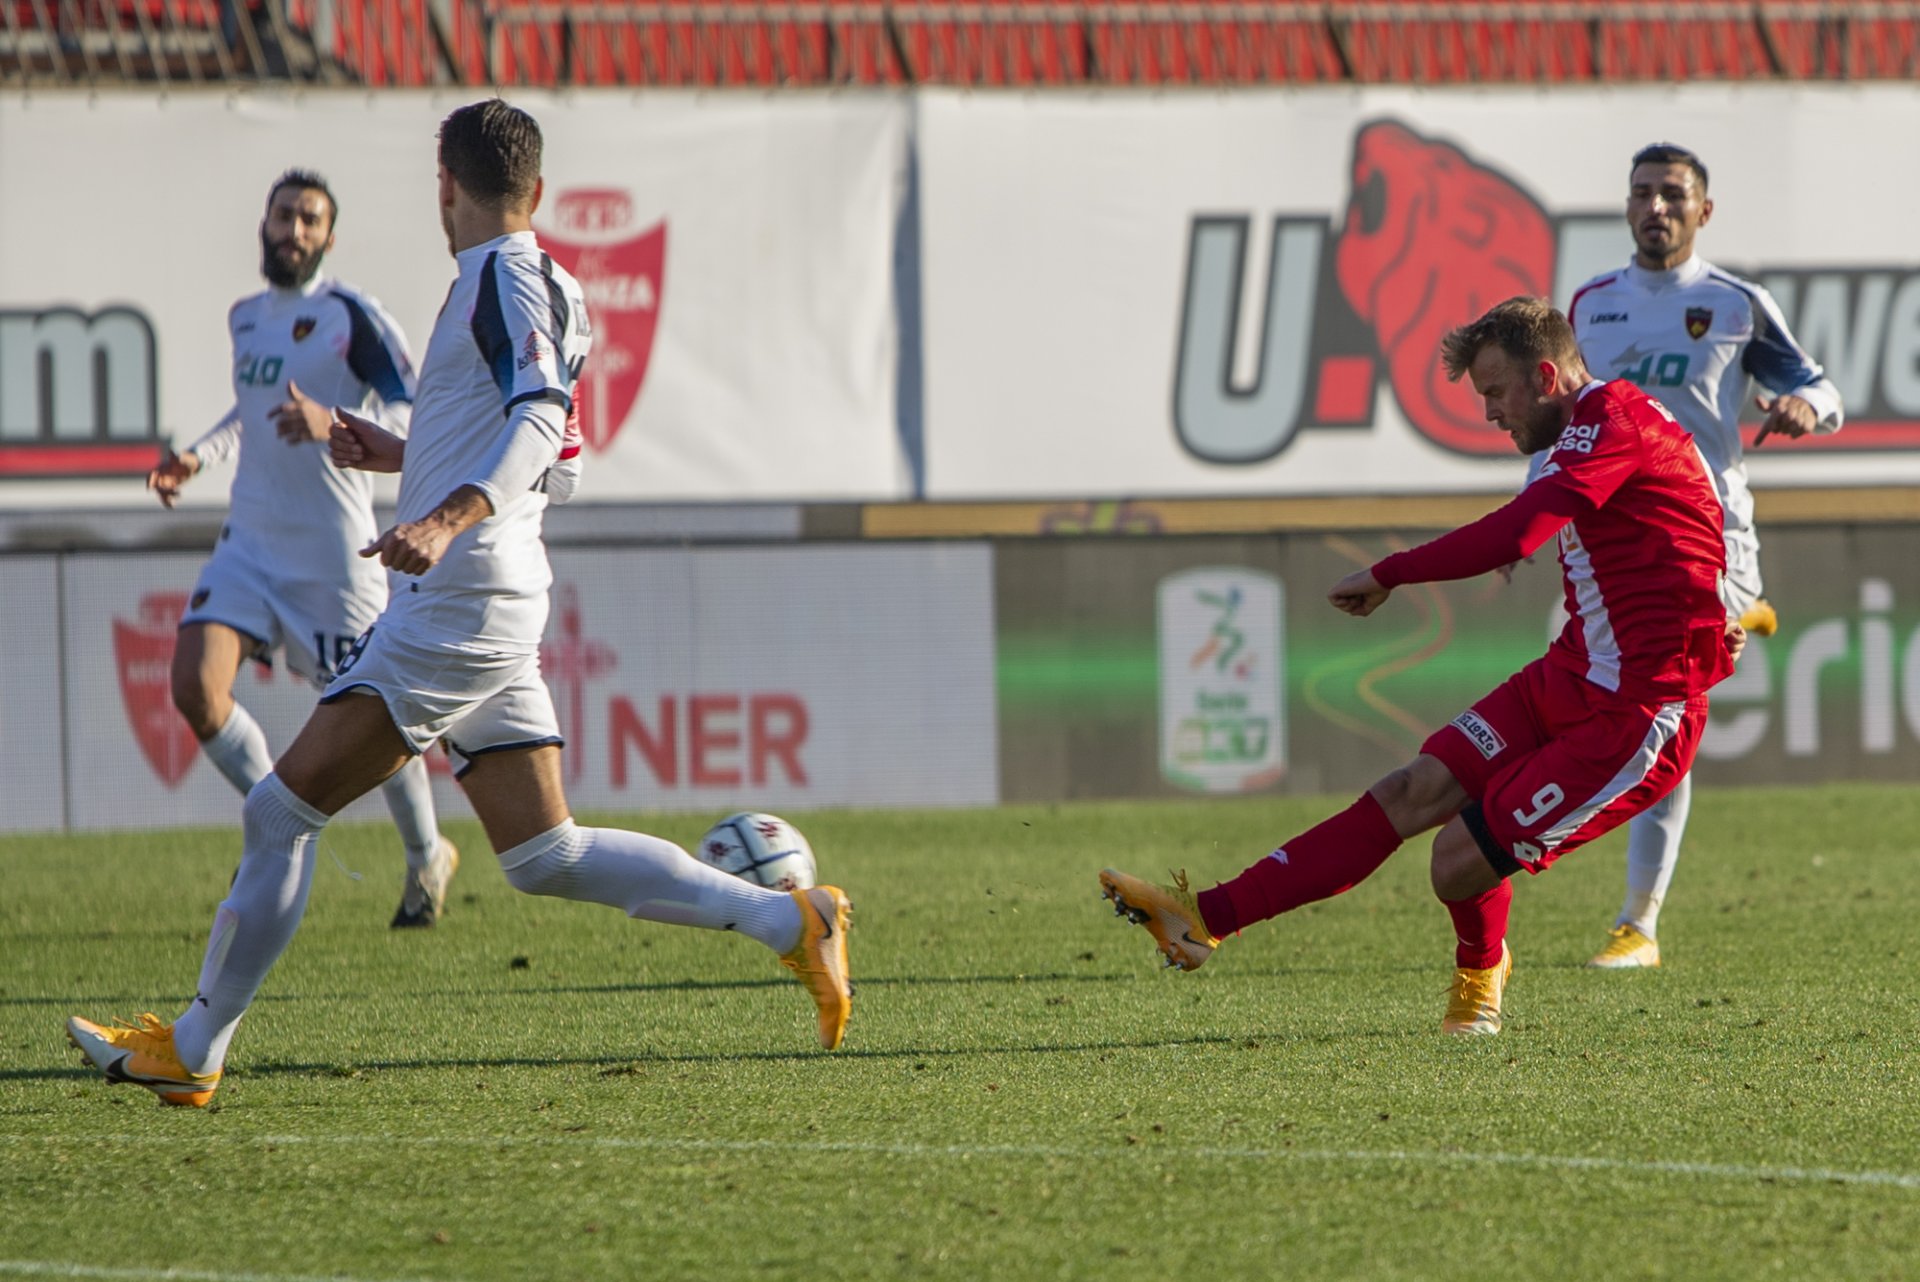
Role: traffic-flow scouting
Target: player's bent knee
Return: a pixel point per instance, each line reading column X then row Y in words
column 1460, row 868
column 194, row 701
column 1419, row 795
column 540, row 865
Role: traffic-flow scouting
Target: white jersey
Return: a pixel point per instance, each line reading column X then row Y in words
column 292, row 511
column 1692, row 338
column 495, row 410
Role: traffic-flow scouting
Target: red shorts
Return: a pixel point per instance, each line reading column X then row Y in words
column 1553, row 761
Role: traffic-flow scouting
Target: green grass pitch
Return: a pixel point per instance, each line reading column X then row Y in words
column 546, row 1090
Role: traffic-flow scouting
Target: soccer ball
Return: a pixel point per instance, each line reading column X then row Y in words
column 763, row 849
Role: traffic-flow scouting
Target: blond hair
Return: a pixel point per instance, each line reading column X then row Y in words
column 1529, row 330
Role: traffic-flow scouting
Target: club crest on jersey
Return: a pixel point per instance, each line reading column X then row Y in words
column 535, row 349
column 1699, row 320
column 622, row 273
column 143, row 651
column 302, row 326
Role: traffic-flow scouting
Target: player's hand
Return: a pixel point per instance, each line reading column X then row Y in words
column 1787, row 416
column 1736, row 639
column 413, row 547
column 1506, row 571
column 360, row 443
column 171, row 473
column 300, row 419
column 1359, row 594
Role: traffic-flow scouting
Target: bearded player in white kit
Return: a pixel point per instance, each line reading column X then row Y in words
column 454, row 657
column 1693, row 335
column 284, row 575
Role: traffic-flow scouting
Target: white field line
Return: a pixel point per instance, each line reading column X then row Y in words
column 61, row 1269
column 1212, row 1153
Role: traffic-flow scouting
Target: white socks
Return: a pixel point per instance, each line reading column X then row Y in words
column 1653, row 848
column 254, row 924
column 238, row 750
column 409, row 797
column 650, row 878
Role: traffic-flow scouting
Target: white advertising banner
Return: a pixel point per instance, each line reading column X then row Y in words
column 31, row 776
column 768, row 678
column 689, row 680
column 737, row 254
column 131, row 761
column 1213, row 294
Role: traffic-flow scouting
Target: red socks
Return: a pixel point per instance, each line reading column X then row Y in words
column 1318, row 864
column 1480, row 924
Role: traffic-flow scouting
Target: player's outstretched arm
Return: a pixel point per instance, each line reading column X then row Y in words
column 1359, row 594
column 361, row 443
column 414, row 547
column 170, row 474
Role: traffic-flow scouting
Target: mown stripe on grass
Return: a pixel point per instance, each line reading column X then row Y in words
column 64, row 1269
column 1410, row 1157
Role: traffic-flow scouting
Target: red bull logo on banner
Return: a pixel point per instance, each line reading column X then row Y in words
column 622, row 271
column 1431, row 237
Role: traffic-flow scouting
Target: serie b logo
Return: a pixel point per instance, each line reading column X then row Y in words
column 621, row 271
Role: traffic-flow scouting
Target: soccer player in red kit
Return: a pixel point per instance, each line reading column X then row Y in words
column 1580, row 740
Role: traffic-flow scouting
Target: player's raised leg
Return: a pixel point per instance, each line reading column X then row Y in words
column 518, row 796
column 347, row 748
column 1328, row 859
column 206, row 659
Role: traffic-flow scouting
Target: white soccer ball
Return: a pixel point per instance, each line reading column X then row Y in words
column 763, row 849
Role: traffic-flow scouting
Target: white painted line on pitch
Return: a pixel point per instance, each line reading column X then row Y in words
column 1415, row 1157
column 62, row 1269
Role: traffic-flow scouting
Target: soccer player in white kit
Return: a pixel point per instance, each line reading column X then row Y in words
column 455, row 654
column 1692, row 335
column 285, row 575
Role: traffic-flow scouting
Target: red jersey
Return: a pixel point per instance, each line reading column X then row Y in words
column 1640, row 541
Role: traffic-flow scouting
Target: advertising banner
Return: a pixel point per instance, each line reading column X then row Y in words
column 737, row 258
column 32, row 776
column 1173, row 294
column 1151, row 667
column 709, row 680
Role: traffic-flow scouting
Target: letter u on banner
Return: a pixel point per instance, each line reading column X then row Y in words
column 1215, row 420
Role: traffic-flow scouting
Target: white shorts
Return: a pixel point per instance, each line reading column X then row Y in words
column 1741, row 587
column 478, row 703
column 314, row 622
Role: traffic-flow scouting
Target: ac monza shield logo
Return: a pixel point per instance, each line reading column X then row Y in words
column 621, row 273
column 143, row 651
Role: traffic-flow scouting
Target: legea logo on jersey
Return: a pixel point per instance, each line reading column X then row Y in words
column 1222, row 680
column 621, row 271
column 143, row 652
column 1432, row 237
column 78, row 394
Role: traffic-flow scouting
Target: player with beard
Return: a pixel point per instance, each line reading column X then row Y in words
column 284, row 574
column 1579, row 740
column 1694, row 336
